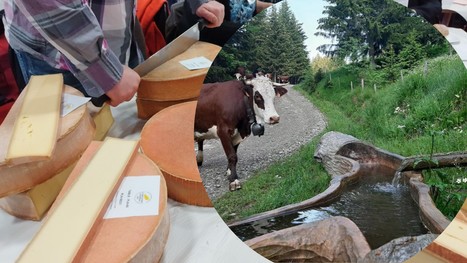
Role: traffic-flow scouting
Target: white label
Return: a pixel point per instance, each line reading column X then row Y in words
column 71, row 103
column 196, row 63
column 136, row 196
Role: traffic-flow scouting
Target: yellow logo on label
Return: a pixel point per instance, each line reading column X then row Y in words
column 143, row 197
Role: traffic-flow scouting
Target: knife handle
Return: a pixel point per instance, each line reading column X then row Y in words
column 202, row 23
column 99, row 101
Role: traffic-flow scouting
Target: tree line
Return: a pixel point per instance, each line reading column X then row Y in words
column 380, row 32
column 272, row 42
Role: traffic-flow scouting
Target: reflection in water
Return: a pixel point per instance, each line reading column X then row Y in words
column 382, row 210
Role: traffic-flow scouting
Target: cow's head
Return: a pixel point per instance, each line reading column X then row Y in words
column 264, row 93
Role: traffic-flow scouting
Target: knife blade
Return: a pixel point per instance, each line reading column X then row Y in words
column 169, row 51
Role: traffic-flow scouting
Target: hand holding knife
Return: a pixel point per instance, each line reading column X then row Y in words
column 171, row 50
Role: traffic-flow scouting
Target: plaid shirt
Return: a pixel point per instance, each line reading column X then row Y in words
column 90, row 38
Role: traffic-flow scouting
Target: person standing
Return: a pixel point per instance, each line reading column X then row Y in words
column 93, row 43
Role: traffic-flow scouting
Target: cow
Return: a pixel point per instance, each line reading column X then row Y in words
column 231, row 111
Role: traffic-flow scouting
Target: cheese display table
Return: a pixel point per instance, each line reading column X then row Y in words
column 173, row 83
column 196, row 234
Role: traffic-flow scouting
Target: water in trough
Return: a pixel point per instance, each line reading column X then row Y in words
column 383, row 211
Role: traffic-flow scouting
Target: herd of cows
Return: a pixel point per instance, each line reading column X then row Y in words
column 232, row 110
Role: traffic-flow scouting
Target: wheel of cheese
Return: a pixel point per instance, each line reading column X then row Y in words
column 128, row 239
column 147, row 108
column 75, row 132
column 35, row 202
column 172, row 82
column 167, row 139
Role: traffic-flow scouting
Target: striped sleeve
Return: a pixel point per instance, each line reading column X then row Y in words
column 72, row 28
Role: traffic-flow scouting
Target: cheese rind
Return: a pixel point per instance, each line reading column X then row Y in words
column 131, row 239
column 35, row 129
column 71, row 224
column 34, row 203
column 75, row 132
column 167, row 139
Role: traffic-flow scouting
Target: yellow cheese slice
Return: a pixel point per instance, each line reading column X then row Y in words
column 71, row 225
column 104, row 121
column 34, row 203
column 35, row 129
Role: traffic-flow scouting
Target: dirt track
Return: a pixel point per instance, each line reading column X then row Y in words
column 300, row 122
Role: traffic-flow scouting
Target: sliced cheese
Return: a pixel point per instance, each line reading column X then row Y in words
column 36, row 127
column 34, row 203
column 167, row 139
column 71, row 225
column 131, row 239
column 76, row 131
column 103, row 120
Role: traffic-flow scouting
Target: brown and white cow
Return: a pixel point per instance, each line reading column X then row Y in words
column 229, row 110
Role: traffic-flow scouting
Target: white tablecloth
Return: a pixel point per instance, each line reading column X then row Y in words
column 197, row 234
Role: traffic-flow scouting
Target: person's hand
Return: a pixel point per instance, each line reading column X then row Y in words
column 260, row 6
column 125, row 89
column 213, row 12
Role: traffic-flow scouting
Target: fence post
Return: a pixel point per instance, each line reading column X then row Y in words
column 363, row 84
column 374, row 87
column 351, row 86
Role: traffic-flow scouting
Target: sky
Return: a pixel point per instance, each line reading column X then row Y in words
column 308, row 12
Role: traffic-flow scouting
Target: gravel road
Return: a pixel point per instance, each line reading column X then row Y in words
column 300, row 122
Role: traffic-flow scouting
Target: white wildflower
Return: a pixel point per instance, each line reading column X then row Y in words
column 458, row 181
column 400, row 126
column 464, row 180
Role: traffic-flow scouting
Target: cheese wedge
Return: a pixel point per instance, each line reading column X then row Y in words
column 173, row 83
column 72, row 224
column 130, row 239
column 34, row 203
column 167, row 139
column 76, row 131
column 35, row 129
column 103, row 120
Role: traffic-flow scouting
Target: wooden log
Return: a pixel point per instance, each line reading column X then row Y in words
column 442, row 160
column 76, row 131
column 167, row 139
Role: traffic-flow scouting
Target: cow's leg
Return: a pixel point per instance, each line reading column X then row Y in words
column 231, row 153
column 199, row 154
